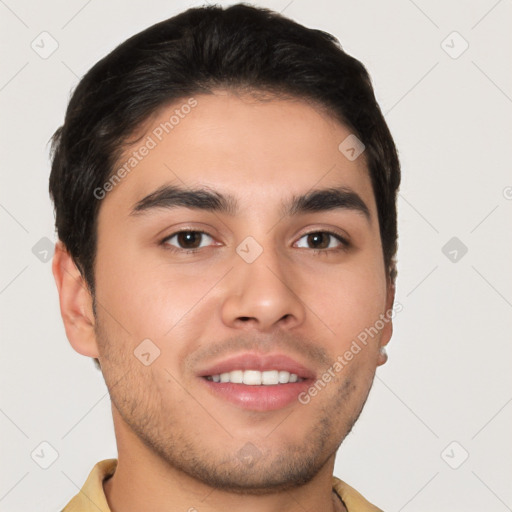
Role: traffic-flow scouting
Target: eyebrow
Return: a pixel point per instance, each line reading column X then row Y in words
column 171, row 196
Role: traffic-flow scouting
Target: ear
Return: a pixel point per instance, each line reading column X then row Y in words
column 387, row 330
column 75, row 302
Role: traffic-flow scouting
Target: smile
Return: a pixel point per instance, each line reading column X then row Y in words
column 256, row 377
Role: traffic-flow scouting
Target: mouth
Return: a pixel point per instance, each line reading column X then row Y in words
column 257, row 382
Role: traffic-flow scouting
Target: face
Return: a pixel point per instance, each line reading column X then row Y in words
column 218, row 312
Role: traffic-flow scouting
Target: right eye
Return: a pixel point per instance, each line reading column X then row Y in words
column 187, row 240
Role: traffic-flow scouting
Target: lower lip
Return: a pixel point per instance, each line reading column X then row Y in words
column 258, row 398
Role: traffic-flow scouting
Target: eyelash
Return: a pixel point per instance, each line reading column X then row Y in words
column 344, row 243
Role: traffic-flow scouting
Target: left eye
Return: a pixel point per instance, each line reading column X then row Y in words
column 322, row 240
column 188, row 239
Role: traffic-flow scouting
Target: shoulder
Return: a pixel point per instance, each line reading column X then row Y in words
column 354, row 501
column 91, row 496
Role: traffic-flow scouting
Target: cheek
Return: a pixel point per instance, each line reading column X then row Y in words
column 151, row 300
column 348, row 300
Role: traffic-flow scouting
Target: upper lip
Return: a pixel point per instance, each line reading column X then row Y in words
column 260, row 362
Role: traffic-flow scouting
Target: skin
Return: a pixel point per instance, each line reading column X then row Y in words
column 178, row 444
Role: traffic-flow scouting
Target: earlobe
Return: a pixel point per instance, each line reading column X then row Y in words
column 383, row 356
column 75, row 303
column 387, row 331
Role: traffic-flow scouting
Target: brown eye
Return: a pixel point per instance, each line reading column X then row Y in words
column 322, row 240
column 318, row 240
column 188, row 240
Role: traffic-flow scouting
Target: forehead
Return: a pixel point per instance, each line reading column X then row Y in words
column 259, row 151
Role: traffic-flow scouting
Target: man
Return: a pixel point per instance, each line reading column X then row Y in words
column 224, row 187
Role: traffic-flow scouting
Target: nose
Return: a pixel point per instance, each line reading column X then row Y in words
column 263, row 295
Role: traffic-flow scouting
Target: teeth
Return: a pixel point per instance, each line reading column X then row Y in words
column 270, row 378
column 284, row 377
column 256, row 378
column 236, row 376
column 252, row 377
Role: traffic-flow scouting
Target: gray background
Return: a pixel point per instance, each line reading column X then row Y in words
column 445, row 392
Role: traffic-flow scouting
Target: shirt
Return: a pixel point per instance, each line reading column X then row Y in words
column 91, row 497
